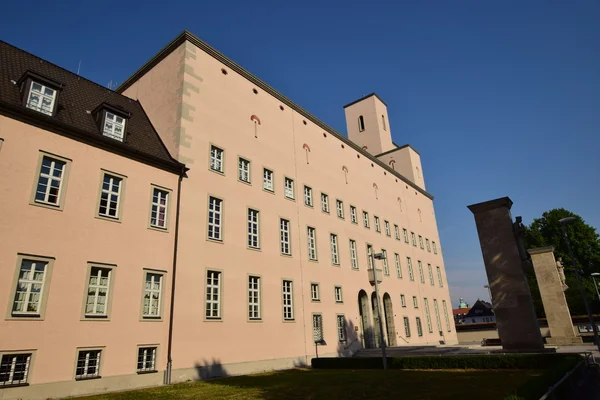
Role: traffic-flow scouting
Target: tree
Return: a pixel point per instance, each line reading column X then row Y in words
column 585, row 242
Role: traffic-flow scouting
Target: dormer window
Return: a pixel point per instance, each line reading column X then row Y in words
column 113, row 126
column 41, row 98
column 361, row 123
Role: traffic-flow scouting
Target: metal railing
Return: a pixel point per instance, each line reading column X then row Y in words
column 569, row 376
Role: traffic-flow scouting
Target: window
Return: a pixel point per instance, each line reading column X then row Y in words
column 369, row 258
column 361, row 123
column 398, row 266
column 410, row 269
column 268, row 180
column 14, row 369
column 366, row 219
column 421, row 275
column 253, row 233
column 312, row 243
column 88, row 364
column 216, row 159
column 402, row 300
column 114, row 126
column 341, row 328
column 396, row 232
column 386, row 224
column 386, row 269
column 434, row 247
column 338, row 294
column 407, row 326
column 158, row 209
column 284, row 237
column 110, row 196
column 427, row 315
column 152, row 295
column 29, row 292
column 288, row 300
column 41, row 98
column 353, row 216
column 244, row 170
column 377, row 226
column 430, row 270
column 419, row 327
column 324, row 203
column 405, row 234
column 215, row 212
column 213, row 295
column 413, row 239
column 446, row 316
column 353, row 255
column 335, row 257
column 339, row 206
column 146, row 360
column 50, row 181
column 308, row 199
column 439, row 275
column 254, row 298
column 96, row 304
column 421, row 241
column 289, row 188
column 428, row 245
column 437, row 315
column 415, row 302
column 383, row 122
column 317, row 328
column 314, row 292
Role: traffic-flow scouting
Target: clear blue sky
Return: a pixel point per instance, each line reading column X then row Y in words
column 501, row 98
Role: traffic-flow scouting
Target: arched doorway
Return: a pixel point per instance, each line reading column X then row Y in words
column 366, row 327
column 377, row 332
column 389, row 320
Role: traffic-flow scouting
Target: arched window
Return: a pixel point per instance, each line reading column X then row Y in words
column 361, row 123
column 383, row 122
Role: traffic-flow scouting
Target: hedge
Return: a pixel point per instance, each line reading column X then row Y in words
column 476, row 361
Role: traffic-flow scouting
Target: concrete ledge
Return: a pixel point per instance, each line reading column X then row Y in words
column 564, row 341
column 490, row 205
column 540, row 250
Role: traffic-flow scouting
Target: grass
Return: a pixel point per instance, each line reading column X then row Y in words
column 300, row 384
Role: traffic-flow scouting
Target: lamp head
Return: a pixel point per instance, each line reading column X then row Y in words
column 379, row 256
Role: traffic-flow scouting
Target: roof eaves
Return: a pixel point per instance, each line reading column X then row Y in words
column 364, row 98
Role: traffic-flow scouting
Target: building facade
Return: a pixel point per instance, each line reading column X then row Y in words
column 267, row 239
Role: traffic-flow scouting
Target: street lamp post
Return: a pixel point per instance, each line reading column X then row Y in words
column 379, row 256
column 594, row 275
column 564, row 223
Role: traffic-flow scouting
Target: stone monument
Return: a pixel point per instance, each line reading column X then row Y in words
column 551, row 280
column 513, row 306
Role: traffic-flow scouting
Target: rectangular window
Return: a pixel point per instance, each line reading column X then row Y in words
column 427, row 315
column 427, row 244
column 421, row 241
column 431, row 282
column 415, row 302
column 243, row 170
column 398, row 266
column 288, row 300
column 317, row 328
column 353, row 217
column 96, row 304
column 437, row 315
column 335, row 255
column 146, row 361
column 50, row 181
column 30, row 288
column 14, row 369
column 338, row 294
column 312, row 243
column 369, row 259
column 284, row 236
column 396, row 232
column 216, row 159
column 339, row 206
column 434, row 247
column 158, row 209
column 110, row 196
column 314, row 292
column 254, row 298
column 419, row 327
column 405, row 234
column 41, row 98
column 421, row 275
column 341, row 328
column 88, row 364
column 376, row 221
column 268, row 184
column 386, row 268
column 439, row 275
column 366, row 219
column 114, row 126
column 213, row 295
column 152, row 295
column 308, row 198
column 215, row 212
column 253, row 226
column 410, row 269
column 402, row 300
column 407, row 326
column 353, row 255
column 413, row 239
column 324, row 203
column 446, row 315
column 289, row 188
column 386, row 224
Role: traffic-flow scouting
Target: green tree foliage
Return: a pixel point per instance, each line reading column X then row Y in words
column 585, row 241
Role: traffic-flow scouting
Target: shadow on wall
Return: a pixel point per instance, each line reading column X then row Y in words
column 352, row 343
column 210, row 369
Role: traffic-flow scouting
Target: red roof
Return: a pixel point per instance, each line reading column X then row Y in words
column 464, row 311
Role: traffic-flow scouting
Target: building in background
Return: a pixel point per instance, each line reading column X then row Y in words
column 481, row 311
column 461, row 312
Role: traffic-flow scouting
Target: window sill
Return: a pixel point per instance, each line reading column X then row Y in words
column 219, row 241
column 147, row 372
column 245, row 182
column 342, row 218
column 285, row 255
column 315, row 300
column 287, row 321
column 213, row 319
column 269, row 191
column 106, row 218
column 308, row 205
column 88, row 378
column 253, row 248
column 339, row 302
column 222, row 173
column 13, row 385
column 325, row 212
column 151, row 319
column 25, row 317
column 256, row 320
column 158, row 229
column 55, row 207
column 92, row 317
column 290, row 198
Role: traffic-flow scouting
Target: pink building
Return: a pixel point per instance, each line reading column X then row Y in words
column 278, row 215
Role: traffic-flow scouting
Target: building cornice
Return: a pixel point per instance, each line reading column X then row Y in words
column 396, row 149
column 364, row 98
column 490, row 205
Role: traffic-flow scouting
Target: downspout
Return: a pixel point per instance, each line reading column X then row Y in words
column 172, row 308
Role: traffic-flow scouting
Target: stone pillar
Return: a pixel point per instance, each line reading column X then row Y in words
column 553, row 297
column 513, row 306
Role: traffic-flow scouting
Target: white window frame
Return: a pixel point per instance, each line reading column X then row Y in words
column 430, row 270
column 445, row 307
column 428, row 315
column 406, row 326
column 434, row 247
column 146, row 359
column 396, row 232
column 413, row 239
column 428, row 245
column 110, row 125
column 268, row 180
column 386, row 225
column 254, row 298
column 438, row 320
column 215, row 218
column 421, row 274
column 353, row 254
column 311, row 239
column 152, row 309
column 405, row 234
column 84, row 363
column 386, row 268
column 377, row 224
column 253, row 228
column 289, row 188
column 108, row 195
column 415, row 302
column 285, row 242
column 398, row 265
column 31, row 300
column 51, row 179
column 318, row 335
column 217, row 159
column 339, row 205
column 335, row 254
column 244, row 170
column 212, row 298
column 159, row 206
column 402, row 300
column 419, row 326
column 315, row 294
column 421, row 242
column 308, row 196
column 287, row 292
column 341, row 328
column 41, row 95
column 96, row 288
column 411, row 275
column 366, row 222
column 324, row 202
column 20, row 360
column 369, row 259
column 338, row 295
column 439, row 274
column 353, row 216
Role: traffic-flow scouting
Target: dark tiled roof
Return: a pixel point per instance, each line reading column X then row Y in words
column 76, row 100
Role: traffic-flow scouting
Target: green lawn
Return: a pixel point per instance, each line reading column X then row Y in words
column 343, row 384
